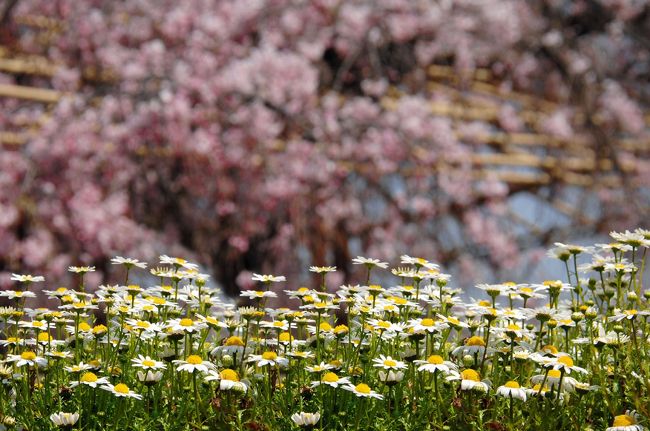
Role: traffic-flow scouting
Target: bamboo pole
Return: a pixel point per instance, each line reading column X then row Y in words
column 12, row 138
column 30, row 93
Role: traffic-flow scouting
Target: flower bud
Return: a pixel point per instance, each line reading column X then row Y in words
column 227, row 361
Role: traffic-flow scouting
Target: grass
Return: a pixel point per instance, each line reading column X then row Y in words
column 562, row 354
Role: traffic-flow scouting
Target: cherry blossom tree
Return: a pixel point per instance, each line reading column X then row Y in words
column 266, row 134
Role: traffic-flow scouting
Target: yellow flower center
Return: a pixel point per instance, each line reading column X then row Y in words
column 28, row 355
column 554, row 374
column 325, row 327
column 340, row 329
column 85, row 327
column 550, row 349
column 99, row 329
column 121, row 388
column 142, row 324
column 89, row 377
column 512, row 384
column 453, row 321
column 383, row 324
column 566, row 360
column 400, row 301
column 623, row 420
column 513, row 327
column 148, row 363
column 390, row 363
column 631, row 312
column 435, row 359
column 44, row 337
column 285, row 337
column 470, row 374
column 229, row 374
column 427, row 322
column 484, row 303
column 234, row 341
column 194, row 360
column 186, row 322
column 475, row 341
column 362, row 388
column 330, row 378
column 270, row 356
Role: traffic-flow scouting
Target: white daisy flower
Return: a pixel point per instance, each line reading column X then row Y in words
column 280, row 325
column 90, row 379
column 427, row 325
column 81, row 269
column 363, row 390
column 78, row 368
column 149, row 377
column 553, row 378
column 194, row 363
column 564, row 363
column 258, row 294
column 147, row 363
column 627, row 422
column 186, row 325
column 390, row 377
column 13, row 294
column 306, row 420
column 369, row 262
column 331, row 379
column 128, row 262
column 121, row 390
column 177, row 262
column 27, row 278
column 268, row 278
column 268, row 358
column 228, row 380
column 319, row 368
column 143, row 325
column 322, row 269
column 64, row 420
column 28, row 358
column 385, row 325
column 435, row 363
column 512, row 389
column 388, row 363
column 41, row 325
column 634, row 239
column 470, row 380
column 473, row 345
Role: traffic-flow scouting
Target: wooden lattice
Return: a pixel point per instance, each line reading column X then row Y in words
column 533, row 158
